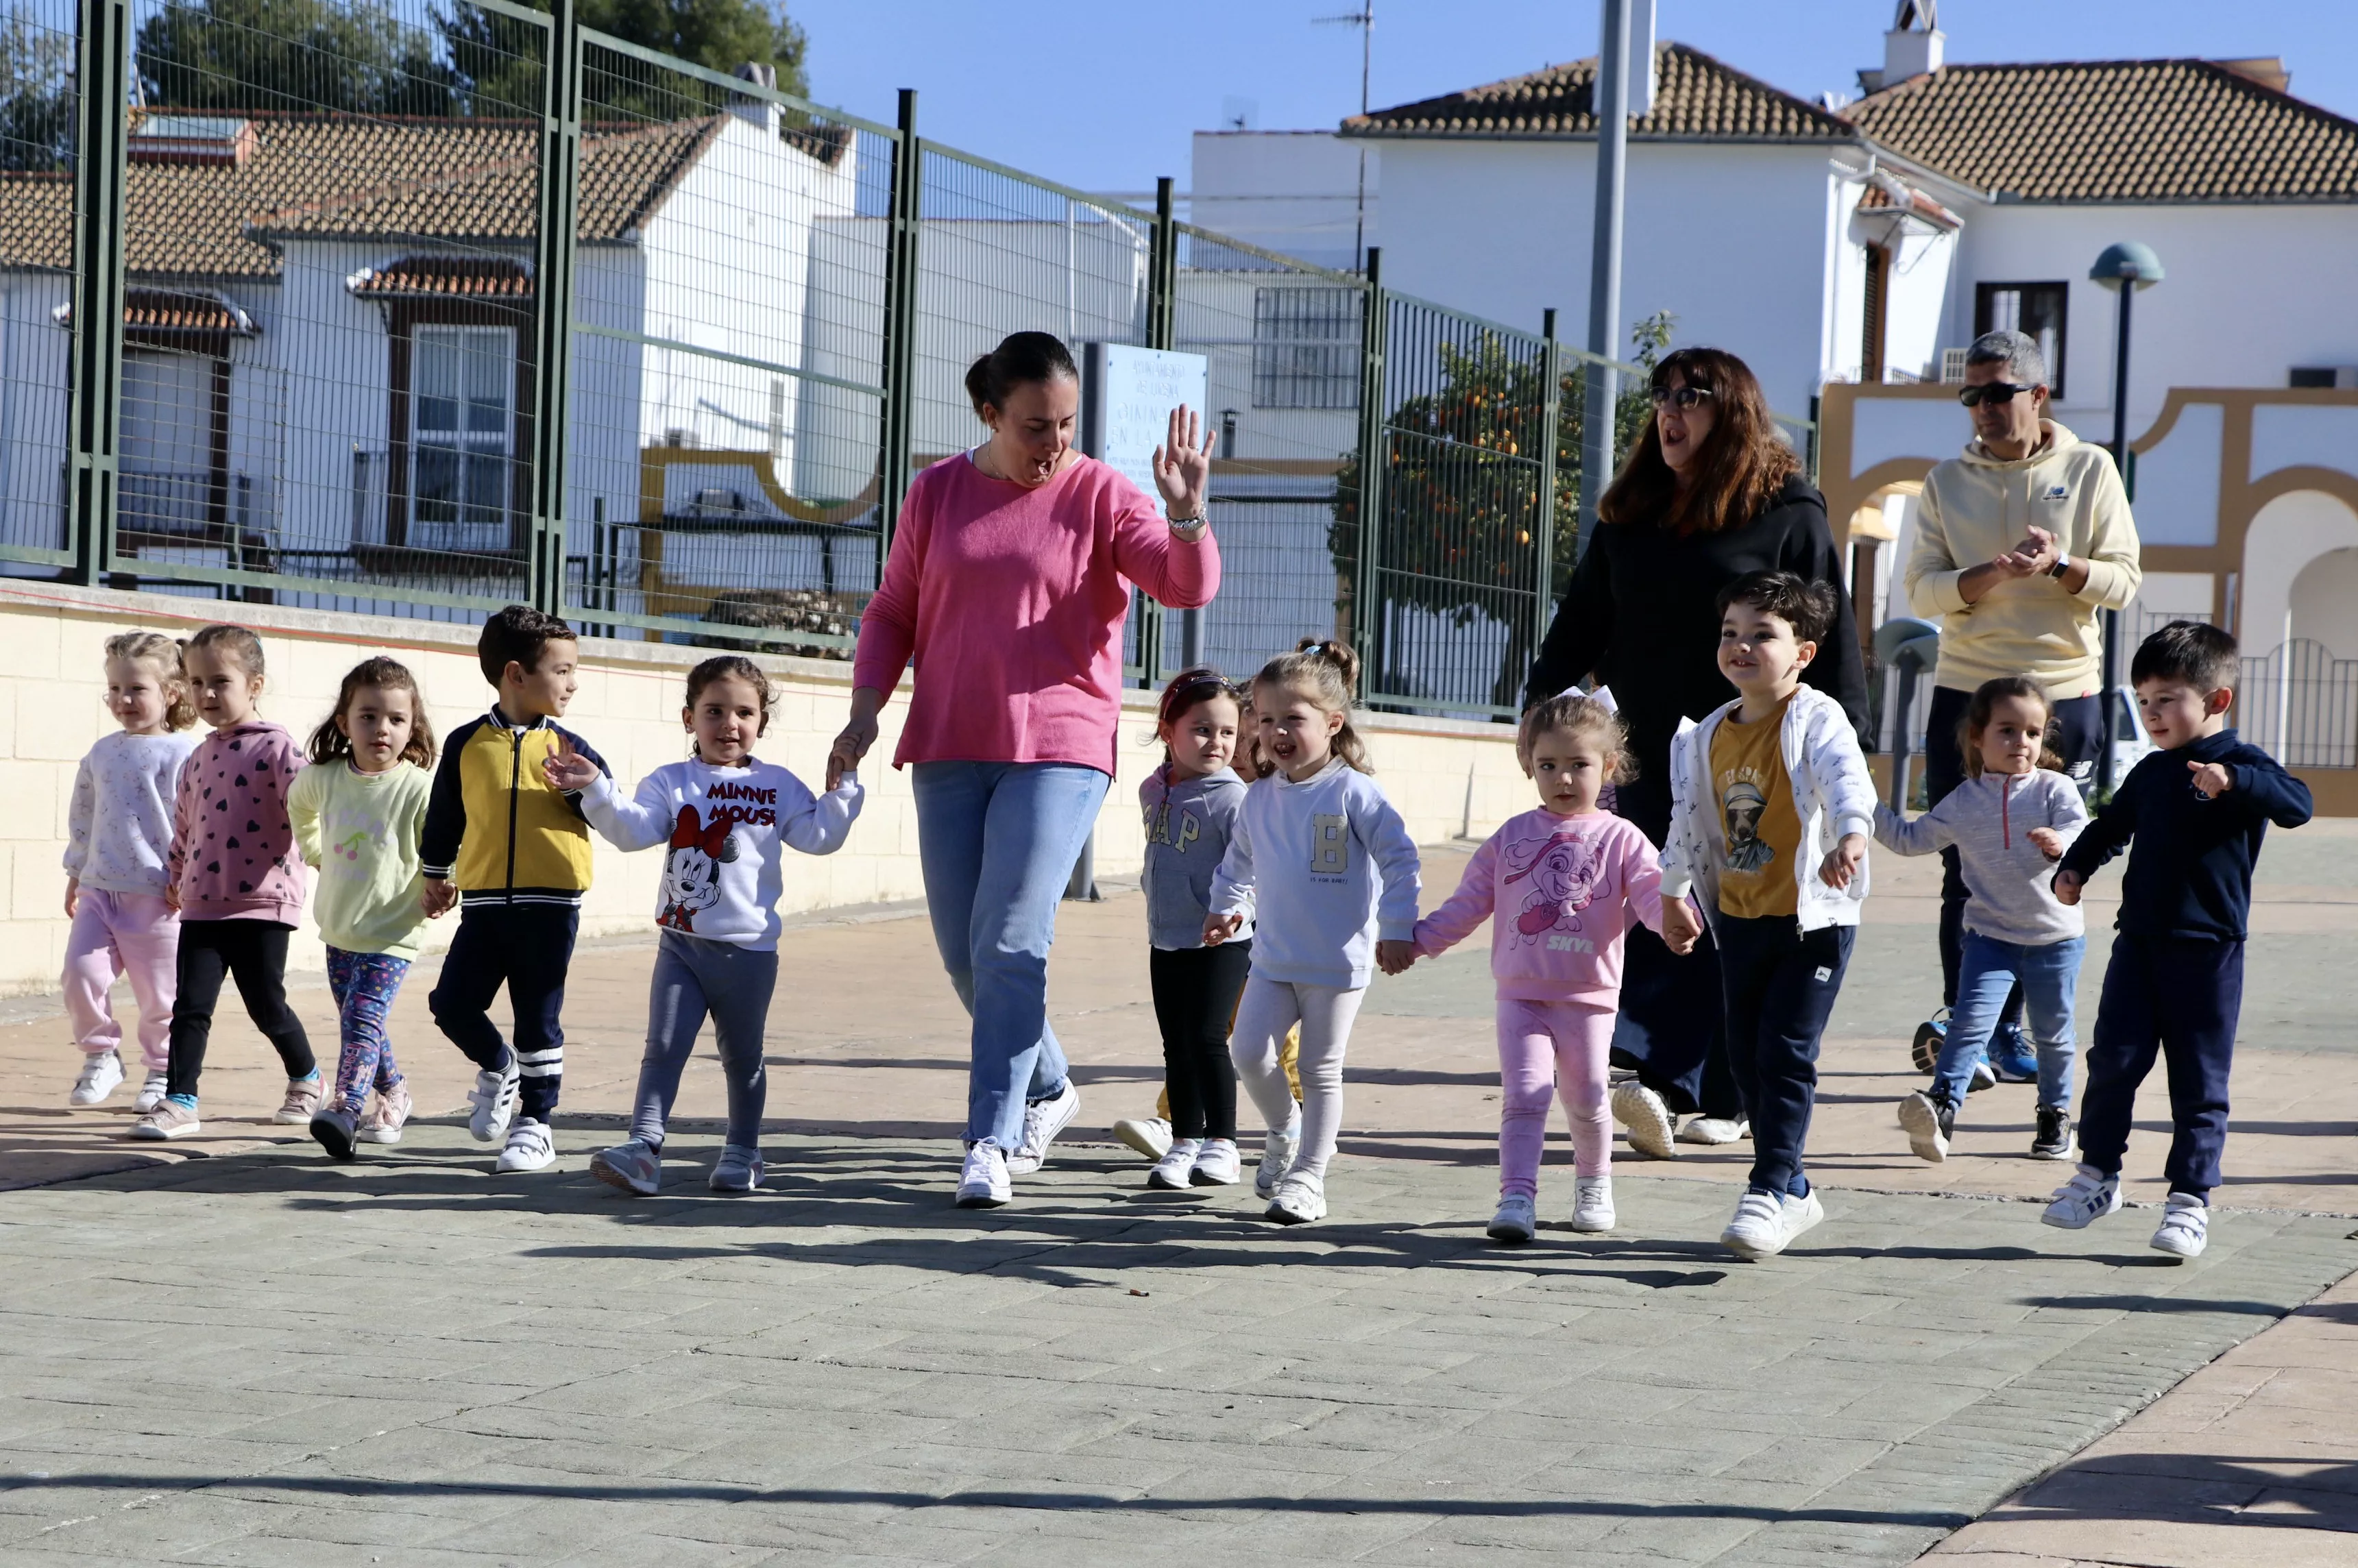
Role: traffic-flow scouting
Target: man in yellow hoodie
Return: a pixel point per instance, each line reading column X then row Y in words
column 2021, row 541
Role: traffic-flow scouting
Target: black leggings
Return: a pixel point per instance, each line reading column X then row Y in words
column 1196, row 992
column 254, row 953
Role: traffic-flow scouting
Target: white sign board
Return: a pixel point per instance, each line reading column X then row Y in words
column 1133, row 392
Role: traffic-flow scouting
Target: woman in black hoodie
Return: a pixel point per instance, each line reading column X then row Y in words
column 1709, row 492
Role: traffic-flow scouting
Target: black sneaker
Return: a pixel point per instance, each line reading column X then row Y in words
column 2053, row 1140
column 1925, row 1049
column 1928, row 1120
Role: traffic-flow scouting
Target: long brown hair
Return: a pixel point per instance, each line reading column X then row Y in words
column 329, row 742
column 1743, row 462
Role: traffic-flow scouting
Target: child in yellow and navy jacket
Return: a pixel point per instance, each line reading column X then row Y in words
column 516, row 852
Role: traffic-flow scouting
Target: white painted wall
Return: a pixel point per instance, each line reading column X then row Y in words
column 2289, row 533
column 1293, row 191
column 2324, row 601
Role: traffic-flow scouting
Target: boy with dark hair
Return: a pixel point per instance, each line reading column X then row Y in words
column 516, row 850
column 2197, row 809
column 1770, row 806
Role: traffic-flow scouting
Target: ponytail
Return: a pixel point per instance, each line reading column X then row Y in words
column 1329, row 670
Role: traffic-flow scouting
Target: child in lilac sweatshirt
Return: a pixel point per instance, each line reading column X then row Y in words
column 1558, row 885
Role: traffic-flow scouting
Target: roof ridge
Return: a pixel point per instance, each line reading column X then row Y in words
column 1807, row 105
column 685, row 159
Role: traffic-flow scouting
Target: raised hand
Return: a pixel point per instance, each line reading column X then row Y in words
column 2211, row 779
column 1183, row 471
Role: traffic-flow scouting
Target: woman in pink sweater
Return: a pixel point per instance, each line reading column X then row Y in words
column 1009, row 581
column 1560, row 886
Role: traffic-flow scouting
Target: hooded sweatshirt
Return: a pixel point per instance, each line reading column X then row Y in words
column 1187, row 828
column 233, row 854
column 2009, row 880
column 1976, row 507
column 1559, row 892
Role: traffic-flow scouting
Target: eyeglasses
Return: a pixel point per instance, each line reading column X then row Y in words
column 1991, row 391
column 1680, row 397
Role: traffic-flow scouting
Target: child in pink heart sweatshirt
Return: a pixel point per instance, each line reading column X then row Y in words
column 1558, row 885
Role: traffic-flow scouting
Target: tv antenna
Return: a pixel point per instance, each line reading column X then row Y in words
column 1363, row 18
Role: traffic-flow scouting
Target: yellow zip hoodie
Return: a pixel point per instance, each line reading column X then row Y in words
column 1976, row 508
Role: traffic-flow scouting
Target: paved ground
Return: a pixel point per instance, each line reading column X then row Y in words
column 256, row 1357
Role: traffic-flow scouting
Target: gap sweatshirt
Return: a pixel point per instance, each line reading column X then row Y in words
column 1559, row 892
column 1326, row 870
column 2190, row 867
column 1187, row 830
column 234, row 855
column 362, row 831
column 2009, row 880
column 119, row 826
column 725, row 832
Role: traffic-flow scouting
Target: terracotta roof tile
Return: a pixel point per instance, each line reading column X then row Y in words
column 454, row 277
column 1696, row 98
column 37, row 222
column 2139, row 130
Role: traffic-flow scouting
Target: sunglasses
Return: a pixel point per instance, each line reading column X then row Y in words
column 1991, row 391
column 1681, row 398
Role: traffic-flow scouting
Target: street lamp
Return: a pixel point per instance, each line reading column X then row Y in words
column 2124, row 268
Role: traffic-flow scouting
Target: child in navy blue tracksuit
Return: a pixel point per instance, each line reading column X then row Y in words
column 2197, row 809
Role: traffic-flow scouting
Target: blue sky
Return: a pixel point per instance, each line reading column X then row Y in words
column 1104, row 96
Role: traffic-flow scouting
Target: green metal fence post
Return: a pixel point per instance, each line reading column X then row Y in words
column 1365, row 613
column 1543, row 531
column 900, row 367
column 101, row 79
column 560, row 192
column 1162, row 332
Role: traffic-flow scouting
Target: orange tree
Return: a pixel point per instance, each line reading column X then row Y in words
column 1459, row 510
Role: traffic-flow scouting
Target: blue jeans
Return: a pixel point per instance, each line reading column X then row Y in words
column 997, row 842
column 1988, row 971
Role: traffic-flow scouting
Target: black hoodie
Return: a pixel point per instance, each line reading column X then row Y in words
column 1641, row 616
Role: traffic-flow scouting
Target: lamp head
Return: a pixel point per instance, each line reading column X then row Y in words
column 2129, row 263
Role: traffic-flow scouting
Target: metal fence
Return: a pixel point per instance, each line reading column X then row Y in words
column 421, row 307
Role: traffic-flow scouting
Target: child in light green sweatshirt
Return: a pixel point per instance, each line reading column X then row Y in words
column 358, row 811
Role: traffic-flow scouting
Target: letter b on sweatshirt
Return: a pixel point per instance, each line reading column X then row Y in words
column 1330, row 845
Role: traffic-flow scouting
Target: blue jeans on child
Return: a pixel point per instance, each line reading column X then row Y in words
column 1988, row 972
column 695, row 977
column 997, row 842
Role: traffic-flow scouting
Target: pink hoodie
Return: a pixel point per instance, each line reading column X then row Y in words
column 233, row 854
column 1013, row 600
column 1563, row 890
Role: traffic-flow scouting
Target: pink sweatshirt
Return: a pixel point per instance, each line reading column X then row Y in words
column 1563, row 890
column 233, row 854
column 1013, row 600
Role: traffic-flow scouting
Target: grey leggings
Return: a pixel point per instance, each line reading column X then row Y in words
column 694, row 977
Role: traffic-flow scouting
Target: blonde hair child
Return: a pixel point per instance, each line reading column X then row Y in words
column 1323, row 865
column 118, row 846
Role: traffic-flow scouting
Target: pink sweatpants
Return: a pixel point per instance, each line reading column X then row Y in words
column 1545, row 1045
column 128, row 934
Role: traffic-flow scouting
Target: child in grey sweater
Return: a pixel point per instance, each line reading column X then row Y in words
column 2011, row 821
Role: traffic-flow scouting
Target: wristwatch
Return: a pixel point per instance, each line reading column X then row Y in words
column 2062, row 564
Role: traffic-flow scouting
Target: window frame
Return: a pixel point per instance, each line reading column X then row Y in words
column 407, row 316
column 1985, row 313
column 1316, row 370
column 471, row 446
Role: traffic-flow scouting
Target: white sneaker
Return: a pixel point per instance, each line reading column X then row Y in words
column 1150, row 1135
column 1765, row 1223
column 1218, row 1164
column 983, row 1183
column 1714, row 1129
column 1173, row 1172
column 1301, row 1197
column 1043, row 1120
column 1653, row 1130
column 494, row 1099
column 100, row 1072
column 152, row 1093
column 1277, row 1153
column 1516, row 1221
column 636, row 1167
column 1591, row 1203
column 2185, row 1225
column 2087, row 1197
column 738, row 1170
column 531, row 1147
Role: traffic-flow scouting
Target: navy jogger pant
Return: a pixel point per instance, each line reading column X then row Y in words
column 2180, row 996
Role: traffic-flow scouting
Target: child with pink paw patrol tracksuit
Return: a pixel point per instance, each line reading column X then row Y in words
column 724, row 819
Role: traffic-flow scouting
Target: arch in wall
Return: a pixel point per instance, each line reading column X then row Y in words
column 2289, row 533
column 2324, row 602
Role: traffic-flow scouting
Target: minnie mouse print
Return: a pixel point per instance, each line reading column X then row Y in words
column 691, row 878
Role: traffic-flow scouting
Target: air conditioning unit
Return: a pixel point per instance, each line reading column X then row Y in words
column 1952, row 367
column 2343, row 376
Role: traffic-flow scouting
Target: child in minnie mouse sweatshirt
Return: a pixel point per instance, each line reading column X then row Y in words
column 1558, row 885
column 724, row 818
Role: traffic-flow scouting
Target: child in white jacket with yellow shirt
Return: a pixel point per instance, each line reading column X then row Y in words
column 1770, row 809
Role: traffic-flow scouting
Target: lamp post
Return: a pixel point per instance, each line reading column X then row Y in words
column 2124, row 268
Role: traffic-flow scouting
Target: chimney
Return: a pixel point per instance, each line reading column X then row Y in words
column 2268, row 71
column 762, row 112
column 1912, row 46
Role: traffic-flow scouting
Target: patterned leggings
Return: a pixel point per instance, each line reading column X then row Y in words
column 364, row 985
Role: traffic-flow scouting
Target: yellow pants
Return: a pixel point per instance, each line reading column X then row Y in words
column 1287, row 1057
